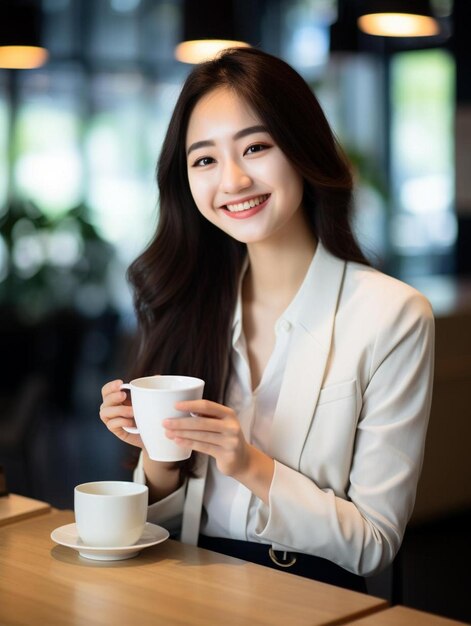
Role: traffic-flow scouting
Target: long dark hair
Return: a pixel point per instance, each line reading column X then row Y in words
column 185, row 282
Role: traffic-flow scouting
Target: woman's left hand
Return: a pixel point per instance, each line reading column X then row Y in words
column 213, row 429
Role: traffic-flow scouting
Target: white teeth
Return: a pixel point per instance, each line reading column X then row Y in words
column 244, row 206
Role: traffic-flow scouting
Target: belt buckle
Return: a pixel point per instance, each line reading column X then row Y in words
column 282, row 563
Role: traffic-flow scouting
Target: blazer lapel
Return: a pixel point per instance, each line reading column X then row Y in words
column 307, row 360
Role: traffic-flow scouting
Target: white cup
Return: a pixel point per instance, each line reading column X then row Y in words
column 110, row 513
column 153, row 399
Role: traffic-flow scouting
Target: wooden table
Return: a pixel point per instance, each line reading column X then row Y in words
column 168, row 584
column 14, row 508
column 403, row 616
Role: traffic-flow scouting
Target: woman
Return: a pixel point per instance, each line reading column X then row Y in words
column 318, row 368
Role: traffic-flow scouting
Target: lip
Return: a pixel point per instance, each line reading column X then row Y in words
column 242, row 215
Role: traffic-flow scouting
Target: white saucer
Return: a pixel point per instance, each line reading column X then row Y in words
column 67, row 536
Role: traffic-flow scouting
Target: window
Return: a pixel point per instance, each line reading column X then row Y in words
column 423, row 227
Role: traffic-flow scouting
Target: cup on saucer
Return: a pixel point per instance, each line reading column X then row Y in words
column 110, row 513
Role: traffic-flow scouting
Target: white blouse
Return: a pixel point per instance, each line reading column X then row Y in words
column 229, row 508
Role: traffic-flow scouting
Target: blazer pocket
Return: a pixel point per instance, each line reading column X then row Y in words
column 328, row 450
column 337, row 392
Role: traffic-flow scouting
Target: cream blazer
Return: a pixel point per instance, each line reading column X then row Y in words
column 349, row 427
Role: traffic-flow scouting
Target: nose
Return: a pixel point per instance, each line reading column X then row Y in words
column 234, row 178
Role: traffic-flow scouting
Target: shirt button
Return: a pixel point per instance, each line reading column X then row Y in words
column 285, row 325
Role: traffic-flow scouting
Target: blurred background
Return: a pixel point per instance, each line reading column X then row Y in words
column 81, row 126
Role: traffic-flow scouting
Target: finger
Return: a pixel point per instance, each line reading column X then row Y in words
column 116, row 397
column 198, row 446
column 197, row 436
column 203, row 407
column 112, row 412
column 116, row 427
column 133, row 440
column 113, row 385
column 118, row 423
column 208, row 424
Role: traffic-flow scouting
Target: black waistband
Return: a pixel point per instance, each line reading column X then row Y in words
column 297, row 563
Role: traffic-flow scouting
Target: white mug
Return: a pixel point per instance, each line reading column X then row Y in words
column 153, row 399
column 110, row 513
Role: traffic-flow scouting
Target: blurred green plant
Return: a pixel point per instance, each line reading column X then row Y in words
column 49, row 264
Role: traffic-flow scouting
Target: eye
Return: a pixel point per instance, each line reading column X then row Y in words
column 256, row 147
column 203, row 161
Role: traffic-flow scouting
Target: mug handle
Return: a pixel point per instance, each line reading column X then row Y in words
column 129, row 429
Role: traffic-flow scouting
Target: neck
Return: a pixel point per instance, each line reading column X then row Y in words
column 278, row 267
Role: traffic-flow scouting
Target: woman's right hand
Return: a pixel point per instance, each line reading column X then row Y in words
column 116, row 412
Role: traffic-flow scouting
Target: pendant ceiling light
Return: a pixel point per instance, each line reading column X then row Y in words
column 209, row 26
column 398, row 18
column 20, row 22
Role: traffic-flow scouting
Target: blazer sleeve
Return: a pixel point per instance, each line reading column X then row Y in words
column 363, row 531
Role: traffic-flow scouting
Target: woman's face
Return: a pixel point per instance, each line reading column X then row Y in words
column 239, row 178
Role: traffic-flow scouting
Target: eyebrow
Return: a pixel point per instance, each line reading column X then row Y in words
column 239, row 134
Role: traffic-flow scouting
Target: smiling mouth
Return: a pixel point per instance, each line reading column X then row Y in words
column 245, row 206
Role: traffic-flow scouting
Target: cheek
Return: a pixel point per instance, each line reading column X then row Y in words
column 191, row 183
column 202, row 197
column 292, row 183
column 298, row 191
column 281, row 171
column 197, row 191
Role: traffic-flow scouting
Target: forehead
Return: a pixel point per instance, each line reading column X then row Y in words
column 219, row 112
